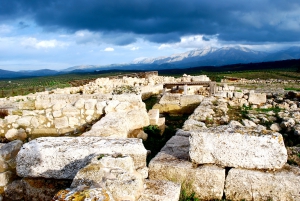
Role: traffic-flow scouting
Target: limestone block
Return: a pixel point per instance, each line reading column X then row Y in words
column 187, row 100
column 153, row 116
column 90, row 104
column 80, row 103
column 61, row 122
column 192, row 124
column 111, row 105
column 115, row 173
column 24, row 121
column 281, row 185
column 11, row 119
column 170, row 99
column 76, row 194
column 238, row 94
column 206, row 181
column 62, row 157
column 10, row 150
column 119, row 124
column 42, row 119
column 35, row 122
column 5, row 178
column 248, row 123
column 168, row 108
column 160, row 190
column 229, row 94
column 73, row 121
column 43, row 132
column 221, row 94
column 275, row 127
column 42, row 189
column 257, row 98
column 59, row 105
column 70, row 111
column 14, row 191
column 16, row 134
column 27, row 105
column 3, row 166
column 161, row 124
column 57, row 113
column 243, row 148
column 100, row 107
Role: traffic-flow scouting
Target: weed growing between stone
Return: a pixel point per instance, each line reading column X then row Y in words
column 155, row 141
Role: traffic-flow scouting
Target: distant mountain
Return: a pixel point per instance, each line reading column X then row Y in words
column 209, row 56
column 34, row 73
column 290, row 53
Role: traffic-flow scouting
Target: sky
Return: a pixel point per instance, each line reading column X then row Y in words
column 57, row 34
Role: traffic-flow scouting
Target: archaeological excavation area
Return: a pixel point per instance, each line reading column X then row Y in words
column 88, row 142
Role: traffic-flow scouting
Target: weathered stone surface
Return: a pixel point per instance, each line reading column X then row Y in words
column 248, row 123
column 172, row 99
column 187, row 100
column 206, row 181
column 14, row 191
column 156, row 190
column 115, row 173
column 257, row 98
column 153, row 116
column 61, row 122
column 275, row 127
column 10, row 150
column 16, row 134
column 238, row 148
column 61, row 158
column 173, row 164
column 83, row 194
column 90, row 104
column 43, row 132
column 281, row 185
column 24, row 121
column 5, row 178
column 42, row 189
column 119, row 124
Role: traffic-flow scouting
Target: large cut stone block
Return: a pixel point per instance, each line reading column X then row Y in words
column 282, row 185
column 160, row 190
column 62, row 157
column 153, row 116
column 257, row 98
column 119, row 124
column 206, row 181
column 172, row 164
column 238, row 148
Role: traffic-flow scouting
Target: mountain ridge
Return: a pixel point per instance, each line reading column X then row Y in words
column 210, row 56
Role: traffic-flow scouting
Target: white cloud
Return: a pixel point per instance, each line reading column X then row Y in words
column 5, row 29
column 109, row 49
column 35, row 43
column 134, row 48
column 192, row 41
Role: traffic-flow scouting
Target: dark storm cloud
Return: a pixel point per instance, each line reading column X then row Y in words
column 167, row 20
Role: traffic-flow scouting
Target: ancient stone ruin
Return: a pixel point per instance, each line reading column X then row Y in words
column 86, row 142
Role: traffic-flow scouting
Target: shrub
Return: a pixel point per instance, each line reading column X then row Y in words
column 126, row 89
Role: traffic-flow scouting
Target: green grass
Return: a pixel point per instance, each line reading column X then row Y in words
column 291, row 89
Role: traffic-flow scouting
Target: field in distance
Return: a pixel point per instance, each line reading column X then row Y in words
column 283, row 70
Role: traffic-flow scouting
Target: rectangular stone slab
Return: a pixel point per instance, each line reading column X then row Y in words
column 160, row 190
column 281, row 185
column 206, row 181
column 62, row 157
column 233, row 148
